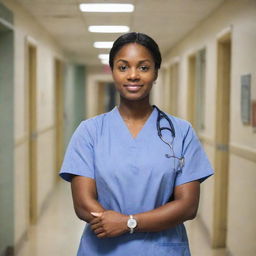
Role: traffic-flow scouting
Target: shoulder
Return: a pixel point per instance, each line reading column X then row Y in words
column 92, row 126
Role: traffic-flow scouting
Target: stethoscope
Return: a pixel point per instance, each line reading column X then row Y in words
column 161, row 115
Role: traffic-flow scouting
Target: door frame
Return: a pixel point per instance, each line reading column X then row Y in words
column 222, row 132
column 31, row 56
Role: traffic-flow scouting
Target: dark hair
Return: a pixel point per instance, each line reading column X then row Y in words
column 139, row 38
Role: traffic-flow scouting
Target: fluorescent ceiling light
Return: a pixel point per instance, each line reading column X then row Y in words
column 103, row 44
column 103, row 56
column 105, row 62
column 106, row 7
column 109, row 29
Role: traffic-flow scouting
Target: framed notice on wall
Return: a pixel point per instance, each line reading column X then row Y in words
column 246, row 98
column 254, row 115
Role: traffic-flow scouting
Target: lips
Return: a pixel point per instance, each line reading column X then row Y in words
column 133, row 87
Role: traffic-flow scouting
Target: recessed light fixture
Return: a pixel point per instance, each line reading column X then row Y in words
column 106, row 7
column 105, row 62
column 109, row 29
column 106, row 45
column 103, row 56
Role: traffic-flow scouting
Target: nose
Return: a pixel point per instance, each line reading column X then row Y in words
column 133, row 75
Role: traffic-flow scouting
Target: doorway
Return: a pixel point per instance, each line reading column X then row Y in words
column 199, row 116
column 106, row 94
column 222, row 141
column 191, row 89
column 110, row 98
column 32, row 125
column 174, row 81
column 101, row 98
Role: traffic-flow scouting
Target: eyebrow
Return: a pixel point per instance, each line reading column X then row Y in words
column 141, row 61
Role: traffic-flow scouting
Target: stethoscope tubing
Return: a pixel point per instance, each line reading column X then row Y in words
column 161, row 115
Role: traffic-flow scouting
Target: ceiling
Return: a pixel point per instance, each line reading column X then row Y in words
column 167, row 21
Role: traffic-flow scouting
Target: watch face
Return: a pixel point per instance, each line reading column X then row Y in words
column 132, row 223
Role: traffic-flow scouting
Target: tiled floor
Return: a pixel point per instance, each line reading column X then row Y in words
column 58, row 231
column 199, row 243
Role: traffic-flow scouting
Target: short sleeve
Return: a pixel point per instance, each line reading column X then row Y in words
column 78, row 158
column 197, row 165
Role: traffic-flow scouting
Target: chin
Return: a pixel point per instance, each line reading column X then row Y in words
column 134, row 97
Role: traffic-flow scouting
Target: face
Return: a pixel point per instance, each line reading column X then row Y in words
column 134, row 72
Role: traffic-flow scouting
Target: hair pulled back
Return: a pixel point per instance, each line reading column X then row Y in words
column 139, row 38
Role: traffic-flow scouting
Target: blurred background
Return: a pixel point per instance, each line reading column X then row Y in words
column 53, row 74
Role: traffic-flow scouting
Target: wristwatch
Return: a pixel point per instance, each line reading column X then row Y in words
column 131, row 224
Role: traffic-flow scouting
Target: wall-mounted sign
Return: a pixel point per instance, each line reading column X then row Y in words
column 254, row 115
column 246, row 98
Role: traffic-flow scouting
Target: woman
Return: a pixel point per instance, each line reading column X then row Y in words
column 135, row 171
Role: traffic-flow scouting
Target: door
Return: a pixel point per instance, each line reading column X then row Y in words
column 101, row 98
column 59, row 114
column 191, row 89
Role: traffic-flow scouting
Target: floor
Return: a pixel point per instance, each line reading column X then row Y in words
column 58, row 231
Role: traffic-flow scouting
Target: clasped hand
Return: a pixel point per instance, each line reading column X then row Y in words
column 109, row 224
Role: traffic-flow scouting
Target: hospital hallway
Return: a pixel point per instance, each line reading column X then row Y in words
column 58, row 231
column 55, row 73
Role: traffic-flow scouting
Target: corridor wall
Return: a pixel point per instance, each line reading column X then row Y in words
column 238, row 18
column 6, row 132
column 28, row 31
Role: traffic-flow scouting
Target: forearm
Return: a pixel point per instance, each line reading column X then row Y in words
column 85, row 198
column 83, row 210
column 111, row 223
column 166, row 216
column 184, row 207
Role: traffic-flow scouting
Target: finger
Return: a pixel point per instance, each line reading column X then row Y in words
column 96, row 214
column 99, row 231
column 102, row 235
column 95, row 221
column 95, row 226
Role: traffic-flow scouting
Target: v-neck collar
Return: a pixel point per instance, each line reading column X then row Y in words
column 125, row 127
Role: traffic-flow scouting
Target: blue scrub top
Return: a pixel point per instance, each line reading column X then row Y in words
column 133, row 175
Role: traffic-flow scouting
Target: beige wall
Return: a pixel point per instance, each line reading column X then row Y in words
column 239, row 17
column 26, row 28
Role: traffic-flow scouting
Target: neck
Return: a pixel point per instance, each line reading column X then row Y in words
column 135, row 109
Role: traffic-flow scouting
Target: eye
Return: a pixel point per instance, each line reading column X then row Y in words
column 123, row 68
column 144, row 68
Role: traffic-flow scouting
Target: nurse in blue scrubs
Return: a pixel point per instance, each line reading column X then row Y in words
column 135, row 171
